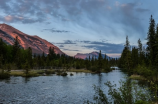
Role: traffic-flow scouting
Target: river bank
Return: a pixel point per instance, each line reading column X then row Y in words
column 42, row 72
column 36, row 73
column 137, row 77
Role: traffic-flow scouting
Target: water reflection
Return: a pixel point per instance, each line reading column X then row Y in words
column 26, row 79
column 100, row 80
column 55, row 89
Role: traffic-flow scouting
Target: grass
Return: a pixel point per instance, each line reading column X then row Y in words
column 35, row 73
column 88, row 71
column 32, row 73
column 49, row 72
column 16, row 73
column 80, row 70
column 137, row 77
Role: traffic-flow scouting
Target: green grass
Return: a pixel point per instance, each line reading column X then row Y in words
column 137, row 77
column 32, row 73
column 50, row 71
column 22, row 73
column 80, row 70
column 16, row 73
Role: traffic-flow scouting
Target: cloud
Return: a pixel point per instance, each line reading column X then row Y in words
column 141, row 10
column 8, row 18
column 69, row 49
column 105, row 47
column 61, row 45
column 53, row 30
column 19, row 19
column 102, row 18
column 67, row 42
column 95, row 45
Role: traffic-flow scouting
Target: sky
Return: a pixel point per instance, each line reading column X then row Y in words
column 82, row 26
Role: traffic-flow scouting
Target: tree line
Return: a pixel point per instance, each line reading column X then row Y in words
column 142, row 61
column 15, row 57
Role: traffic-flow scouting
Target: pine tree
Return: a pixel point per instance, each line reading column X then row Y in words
column 2, row 52
column 127, row 45
column 16, row 46
column 1, row 60
column 29, row 57
column 134, row 57
column 100, row 62
column 140, row 53
column 139, row 46
column 16, row 52
column 125, row 60
column 156, row 45
column 151, row 41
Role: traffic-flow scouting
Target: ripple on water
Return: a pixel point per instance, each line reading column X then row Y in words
column 54, row 89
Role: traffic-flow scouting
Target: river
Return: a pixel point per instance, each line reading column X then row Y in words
column 55, row 89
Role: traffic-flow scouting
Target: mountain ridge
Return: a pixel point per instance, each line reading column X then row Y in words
column 38, row 45
column 92, row 54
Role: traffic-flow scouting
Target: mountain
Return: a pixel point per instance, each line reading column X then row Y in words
column 38, row 45
column 86, row 55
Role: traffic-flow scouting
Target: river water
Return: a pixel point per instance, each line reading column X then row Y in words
column 55, row 89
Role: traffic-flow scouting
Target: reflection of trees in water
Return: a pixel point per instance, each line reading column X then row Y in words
column 7, row 80
column 26, row 79
column 99, row 80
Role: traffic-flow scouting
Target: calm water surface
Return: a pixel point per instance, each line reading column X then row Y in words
column 55, row 89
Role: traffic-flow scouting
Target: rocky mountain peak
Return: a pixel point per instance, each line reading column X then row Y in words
column 38, row 45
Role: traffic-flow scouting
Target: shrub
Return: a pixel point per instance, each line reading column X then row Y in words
column 4, row 75
column 93, row 68
column 49, row 71
column 64, row 74
column 127, row 93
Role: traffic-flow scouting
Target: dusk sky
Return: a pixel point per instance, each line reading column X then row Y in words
column 82, row 26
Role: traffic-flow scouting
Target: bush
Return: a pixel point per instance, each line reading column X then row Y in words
column 78, row 67
column 128, row 93
column 71, row 74
column 40, row 72
column 49, row 72
column 93, row 68
column 64, row 74
column 4, row 75
column 107, row 69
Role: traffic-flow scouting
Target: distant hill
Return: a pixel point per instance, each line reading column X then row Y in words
column 86, row 55
column 38, row 45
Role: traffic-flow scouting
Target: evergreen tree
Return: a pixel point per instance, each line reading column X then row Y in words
column 128, row 60
column 140, row 53
column 139, row 46
column 127, row 45
column 1, row 59
column 16, row 51
column 51, row 54
column 2, row 52
column 151, row 41
column 29, row 57
column 156, row 45
column 134, row 57
column 100, row 62
column 125, row 60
